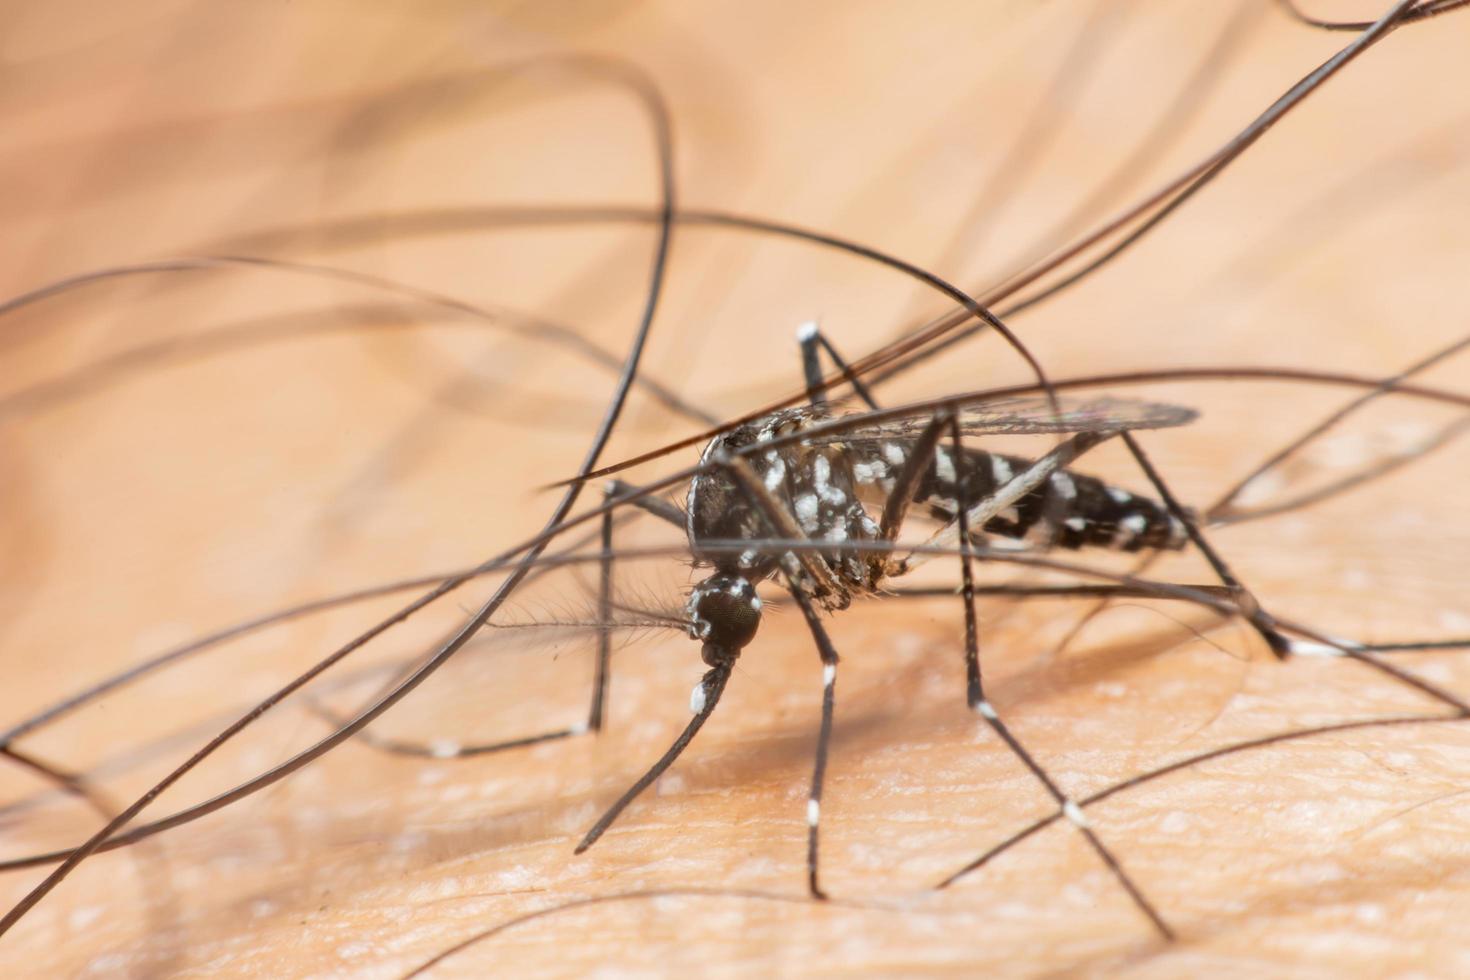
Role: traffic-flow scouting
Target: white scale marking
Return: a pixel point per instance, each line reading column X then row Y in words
column 1306, row 648
column 943, row 465
column 1178, row 533
column 1000, row 470
column 696, row 699
column 893, row 454
column 813, row 812
column 1076, row 523
column 775, row 473
column 806, row 511
column 829, row 674
column 821, row 473
column 986, row 710
column 822, row 481
column 1074, row 813
column 1064, row 485
column 444, row 748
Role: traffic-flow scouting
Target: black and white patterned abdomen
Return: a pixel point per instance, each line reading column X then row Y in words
column 1068, row 510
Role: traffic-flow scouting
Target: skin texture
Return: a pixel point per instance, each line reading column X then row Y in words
column 333, row 437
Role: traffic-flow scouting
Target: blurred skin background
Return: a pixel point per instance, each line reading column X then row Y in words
column 183, row 449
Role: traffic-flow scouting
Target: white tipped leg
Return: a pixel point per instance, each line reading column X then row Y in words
column 824, row 739
column 1074, row 813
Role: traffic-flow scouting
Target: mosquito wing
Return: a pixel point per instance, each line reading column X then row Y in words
column 1024, row 416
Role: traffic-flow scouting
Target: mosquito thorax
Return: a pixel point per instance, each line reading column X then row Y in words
column 724, row 614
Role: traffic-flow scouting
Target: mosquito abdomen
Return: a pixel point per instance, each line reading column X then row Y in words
column 1069, row 510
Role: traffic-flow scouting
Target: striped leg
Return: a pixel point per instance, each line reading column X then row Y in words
column 1265, row 624
column 824, row 739
column 813, row 342
column 975, row 695
column 1261, row 620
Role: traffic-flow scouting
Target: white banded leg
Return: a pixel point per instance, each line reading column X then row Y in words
column 702, row 702
column 813, row 342
column 824, row 740
column 1250, row 608
column 980, row 705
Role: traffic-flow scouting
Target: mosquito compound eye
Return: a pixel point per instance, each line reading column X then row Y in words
column 724, row 612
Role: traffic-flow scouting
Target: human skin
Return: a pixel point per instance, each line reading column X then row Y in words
column 346, row 449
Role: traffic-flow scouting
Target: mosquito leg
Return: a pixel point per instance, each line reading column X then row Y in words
column 604, row 626
column 974, row 690
column 975, row 696
column 924, row 452
column 1263, row 622
column 706, row 695
column 659, row 508
column 824, row 739
column 812, row 342
column 1417, row 646
column 782, row 523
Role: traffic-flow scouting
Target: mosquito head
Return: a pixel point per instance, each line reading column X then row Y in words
column 724, row 613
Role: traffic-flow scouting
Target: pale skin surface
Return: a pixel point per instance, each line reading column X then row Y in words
column 245, row 478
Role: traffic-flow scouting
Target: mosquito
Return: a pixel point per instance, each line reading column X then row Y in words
column 800, row 475
column 785, row 512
